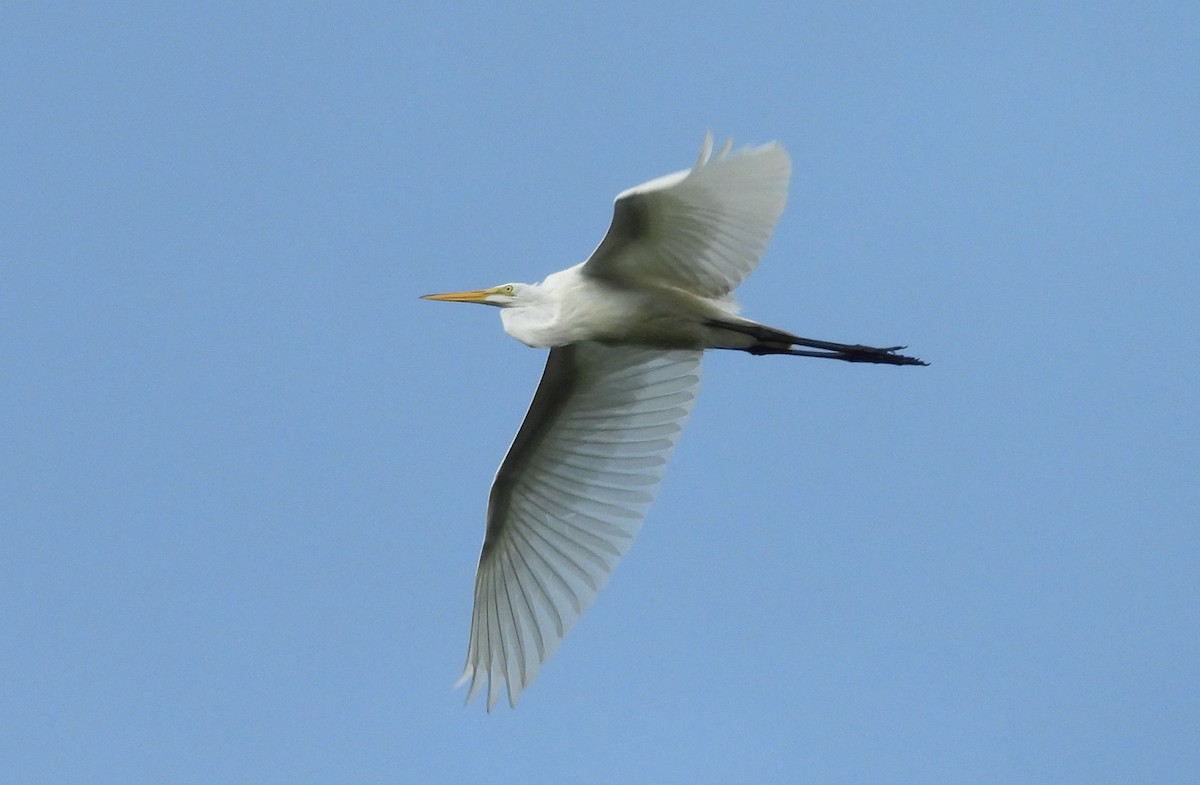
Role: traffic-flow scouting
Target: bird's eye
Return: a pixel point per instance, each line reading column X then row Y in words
column 508, row 289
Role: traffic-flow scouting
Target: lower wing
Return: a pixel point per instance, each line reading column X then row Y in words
column 569, row 498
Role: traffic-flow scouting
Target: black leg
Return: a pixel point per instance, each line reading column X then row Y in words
column 772, row 341
column 851, row 354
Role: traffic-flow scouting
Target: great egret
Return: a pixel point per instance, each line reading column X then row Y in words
column 626, row 330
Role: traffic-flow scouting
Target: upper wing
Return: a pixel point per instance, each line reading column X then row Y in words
column 702, row 230
column 569, row 498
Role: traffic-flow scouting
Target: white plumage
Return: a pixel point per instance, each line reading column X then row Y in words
column 626, row 331
column 568, row 500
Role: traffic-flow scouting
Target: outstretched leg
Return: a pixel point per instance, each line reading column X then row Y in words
column 772, row 341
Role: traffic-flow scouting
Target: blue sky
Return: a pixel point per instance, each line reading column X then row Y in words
column 244, row 468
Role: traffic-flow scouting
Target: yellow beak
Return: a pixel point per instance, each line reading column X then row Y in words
column 476, row 296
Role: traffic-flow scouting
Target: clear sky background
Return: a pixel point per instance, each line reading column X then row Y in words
column 243, row 468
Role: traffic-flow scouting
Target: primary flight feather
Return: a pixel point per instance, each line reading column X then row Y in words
column 626, row 331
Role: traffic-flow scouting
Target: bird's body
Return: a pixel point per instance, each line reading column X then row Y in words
column 572, row 306
column 626, row 331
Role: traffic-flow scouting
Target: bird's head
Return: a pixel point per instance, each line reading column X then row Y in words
column 503, row 296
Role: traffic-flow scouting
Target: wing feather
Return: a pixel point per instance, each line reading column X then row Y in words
column 568, row 500
column 703, row 229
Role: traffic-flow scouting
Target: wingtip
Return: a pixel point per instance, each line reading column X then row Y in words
column 469, row 674
column 705, row 150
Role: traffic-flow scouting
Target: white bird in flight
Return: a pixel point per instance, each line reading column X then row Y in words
column 626, row 330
